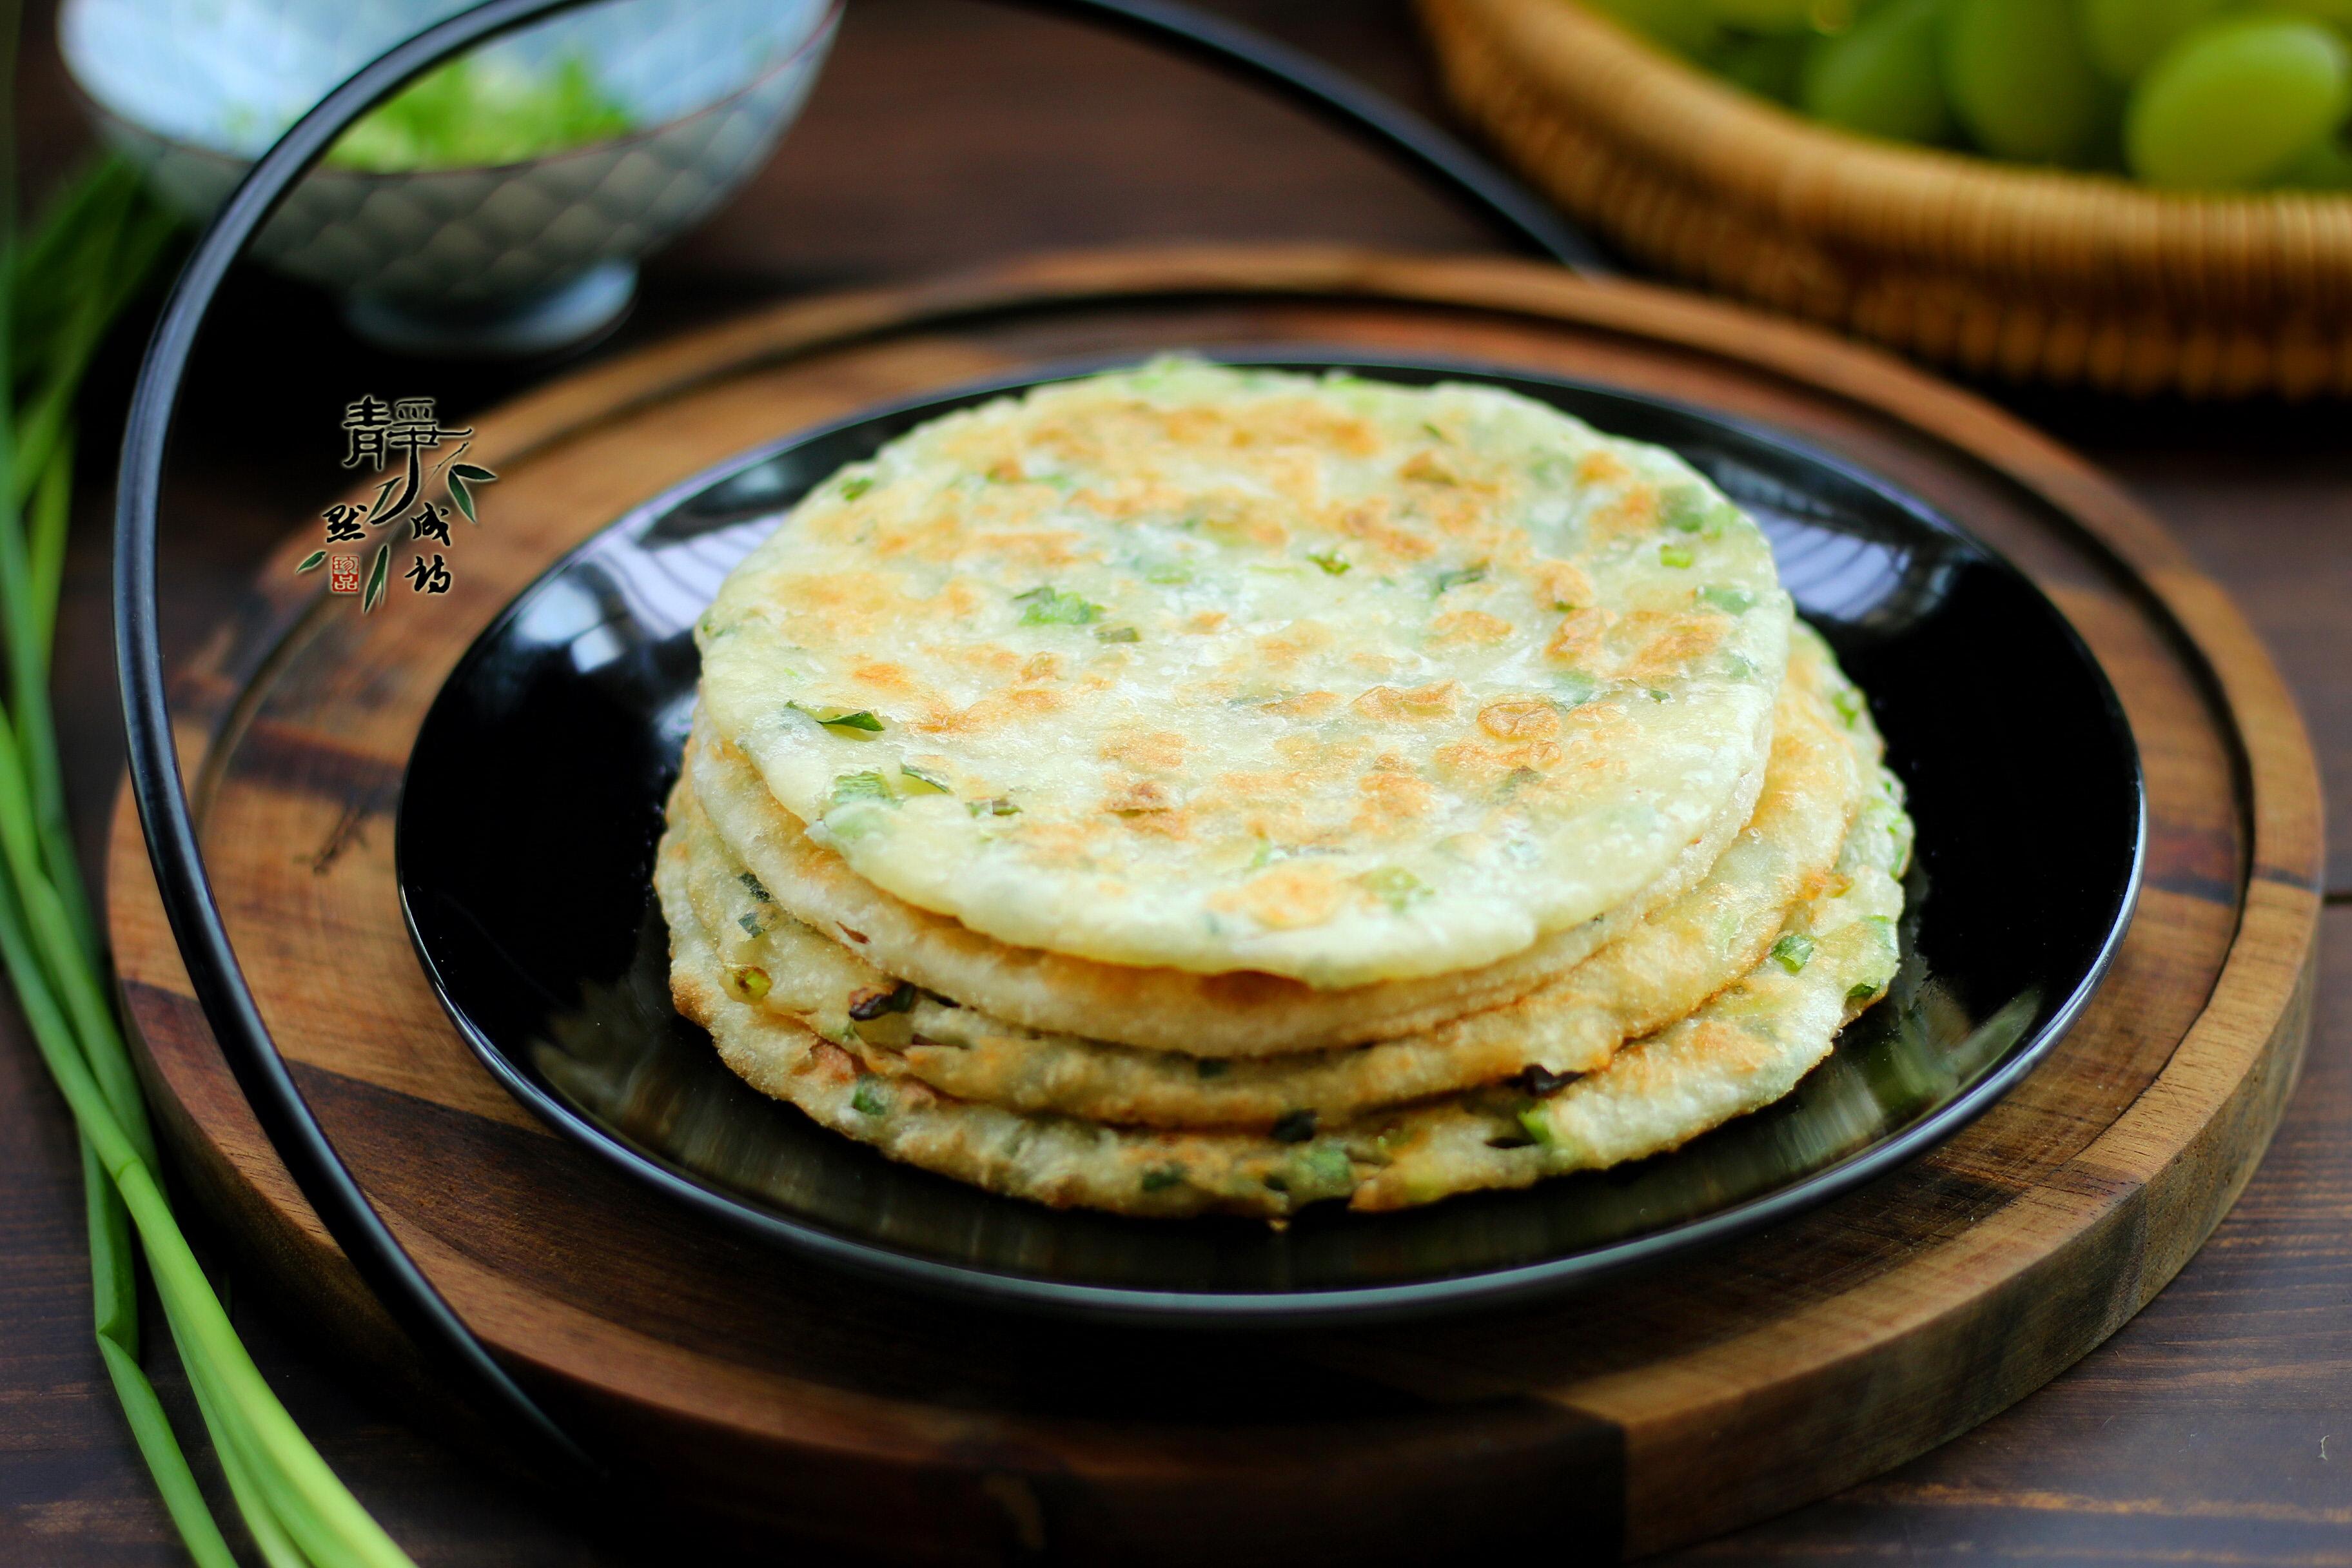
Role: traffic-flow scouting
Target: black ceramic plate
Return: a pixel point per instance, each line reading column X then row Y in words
column 534, row 800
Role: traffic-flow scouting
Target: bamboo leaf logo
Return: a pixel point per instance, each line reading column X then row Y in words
column 378, row 578
column 313, row 561
column 462, row 477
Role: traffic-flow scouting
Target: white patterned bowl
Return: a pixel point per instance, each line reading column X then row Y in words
column 511, row 258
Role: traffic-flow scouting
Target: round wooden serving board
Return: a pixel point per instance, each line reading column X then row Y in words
column 742, row 1383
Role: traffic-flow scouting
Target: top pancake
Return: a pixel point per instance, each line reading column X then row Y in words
column 1224, row 670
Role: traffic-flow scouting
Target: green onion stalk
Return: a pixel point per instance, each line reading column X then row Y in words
column 98, row 242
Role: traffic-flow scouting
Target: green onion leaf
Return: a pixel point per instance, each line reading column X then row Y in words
column 999, row 806
column 753, row 886
column 1792, row 951
column 1393, row 886
column 1674, row 555
column 914, row 780
column 849, row 789
column 1117, row 633
column 1331, row 561
column 871, row 1096
column 1849, row 705
column 1459, row 577
column 840, row 719
column 1732, row 601
column 1862, row 993
column 851, row 489
column 1051, row 607
column 1160, row 1178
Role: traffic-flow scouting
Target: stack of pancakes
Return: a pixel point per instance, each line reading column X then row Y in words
column 1191, row 789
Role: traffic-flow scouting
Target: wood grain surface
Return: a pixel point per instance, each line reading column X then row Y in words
column 1716, row 1392
column 2199, row 1434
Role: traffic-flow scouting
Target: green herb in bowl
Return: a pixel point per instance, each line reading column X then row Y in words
column 471, row 115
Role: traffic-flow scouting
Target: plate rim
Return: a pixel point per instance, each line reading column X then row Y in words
column 1232, row 1310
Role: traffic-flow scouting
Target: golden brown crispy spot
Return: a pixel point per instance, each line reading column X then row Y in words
column 1308, row 705
column 1293, row 642
column 1683, row 639
column 1521, row 719
column 831, row 1063
column 1563, row 584
column 1020, row 704
column 880, row 676
column 1429, row 468
column 1630, row 515
column 1579, row 634
column 1042, row 667
column 1396, row 795
column 1286, row 897
column 1603, row 466
column 1461, row 627
column 1204, row 621
column 1386, row 705
column 1155, row 751
column 1143, row 804
column 1042, row 548
column 1369, row 520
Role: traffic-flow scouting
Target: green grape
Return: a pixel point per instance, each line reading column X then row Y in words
column 2125, row 37
column 2020, row 81
column 1764, row 15
column 1688, row 26
column 2336, row 11
column 2324, row 166
column 2229, row 103
column 1767, row 65
column 1882, row 78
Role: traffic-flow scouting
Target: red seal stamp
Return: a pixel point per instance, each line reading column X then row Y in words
column 342, row 573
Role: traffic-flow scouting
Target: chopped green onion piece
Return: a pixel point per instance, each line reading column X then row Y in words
column 850, row 788
column 1323, row 1168
column 858, row 719
column 1293, row 1127
column 1117, row 633
column 1792, row 951
column 868, row 1006
column 1674, row 555
column 1536, row 1124
column 1432, row 430
column 853, row 488
column 1686, row 509
column 1862, row 992
column 1331, row 561
column 1393, row 886
column 999, row 806
column 1051, row 607
column 748, row 982
column 871, row 1096
column 914, row 780
column 1849, row 705
column 753, row 886
column 1160, row 1178
column 750, row 924
column 1734, row 601
column 1459, row 577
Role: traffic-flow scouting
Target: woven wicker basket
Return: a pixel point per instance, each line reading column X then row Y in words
column 2022, row 273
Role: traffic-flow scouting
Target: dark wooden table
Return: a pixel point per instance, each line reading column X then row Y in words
column 2217, row 1428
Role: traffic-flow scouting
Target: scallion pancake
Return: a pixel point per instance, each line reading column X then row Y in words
column 1823, row 759
column 1216, row 671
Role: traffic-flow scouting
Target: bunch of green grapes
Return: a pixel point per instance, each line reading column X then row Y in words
column 2186, row 94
